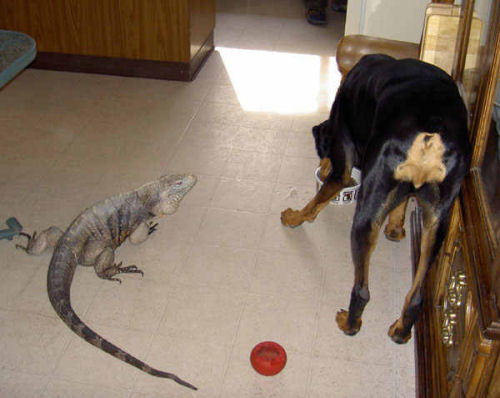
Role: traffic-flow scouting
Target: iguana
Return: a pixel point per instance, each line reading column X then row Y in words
column 91, row 240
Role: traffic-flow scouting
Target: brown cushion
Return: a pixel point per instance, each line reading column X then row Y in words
column 352, row 47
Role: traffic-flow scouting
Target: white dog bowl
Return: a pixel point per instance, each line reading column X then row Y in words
column 349, row 194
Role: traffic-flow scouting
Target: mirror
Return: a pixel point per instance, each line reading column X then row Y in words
column 490, row 168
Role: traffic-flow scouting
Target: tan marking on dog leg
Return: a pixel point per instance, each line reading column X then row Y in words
column 424, row 161
column 350, row 321
column 394, row 230
column 328, row 190
column 395, row 332
column 399, row 332
column 294, row 218
column 325, row 168
column 342, row 319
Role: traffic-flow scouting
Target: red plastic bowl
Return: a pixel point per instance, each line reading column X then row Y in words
column 268, row 358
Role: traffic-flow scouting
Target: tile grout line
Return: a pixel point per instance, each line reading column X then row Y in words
column 154, row 332
column 181, row 136
column 237, row 333
column 317, row 320
column 276, row 183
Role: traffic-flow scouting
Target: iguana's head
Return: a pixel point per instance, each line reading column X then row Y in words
column 172, row 189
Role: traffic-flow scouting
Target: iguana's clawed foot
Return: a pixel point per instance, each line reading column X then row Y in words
column 118, row 269
column 131, row 269
column 25, row 248
column 152, row 228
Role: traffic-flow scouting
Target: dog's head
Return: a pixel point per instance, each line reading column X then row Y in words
column 322, row 138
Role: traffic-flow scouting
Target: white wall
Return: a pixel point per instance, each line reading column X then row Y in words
column 390, row 19
column 353, row 20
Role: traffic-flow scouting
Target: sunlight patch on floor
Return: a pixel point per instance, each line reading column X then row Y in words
column 279, row 82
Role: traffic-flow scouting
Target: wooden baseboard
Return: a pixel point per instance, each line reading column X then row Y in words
column 184, row 71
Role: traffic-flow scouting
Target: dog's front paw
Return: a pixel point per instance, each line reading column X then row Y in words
column 398, row 334
column 291, row 218
column 342, row 319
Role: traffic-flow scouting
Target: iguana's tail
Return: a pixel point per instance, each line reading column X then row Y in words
column 61, row 270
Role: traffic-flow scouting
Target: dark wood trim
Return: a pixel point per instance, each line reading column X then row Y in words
column 201, row 56
column 484, row 104
column 184, row 71
column 462, row 44
column 112, row 66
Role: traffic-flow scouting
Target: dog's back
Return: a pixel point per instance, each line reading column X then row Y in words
column 383, row 99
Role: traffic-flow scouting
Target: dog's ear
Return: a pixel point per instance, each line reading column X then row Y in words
column 320, row 134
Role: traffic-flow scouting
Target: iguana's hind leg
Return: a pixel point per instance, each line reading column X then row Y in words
column 25, row 248
column 39, row 243
column 105, row 267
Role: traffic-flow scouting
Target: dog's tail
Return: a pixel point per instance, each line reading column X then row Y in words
column 424, row 161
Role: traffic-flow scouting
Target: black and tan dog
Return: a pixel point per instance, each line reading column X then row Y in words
column 404, row 124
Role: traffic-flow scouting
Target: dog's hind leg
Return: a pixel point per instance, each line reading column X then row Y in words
column 362, row 246
column 374, row 202
column 435, row 225
column 394, row 230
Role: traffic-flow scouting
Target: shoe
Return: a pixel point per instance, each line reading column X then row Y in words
column 339, row 5
column 316, row 15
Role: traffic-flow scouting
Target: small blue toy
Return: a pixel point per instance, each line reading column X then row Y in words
column 14, row 229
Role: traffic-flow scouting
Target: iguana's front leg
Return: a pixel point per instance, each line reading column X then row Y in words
column 142, row 232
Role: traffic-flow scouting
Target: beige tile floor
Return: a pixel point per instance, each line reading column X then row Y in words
column 220, row 275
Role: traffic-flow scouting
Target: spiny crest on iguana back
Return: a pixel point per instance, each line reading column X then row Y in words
column 91, row 240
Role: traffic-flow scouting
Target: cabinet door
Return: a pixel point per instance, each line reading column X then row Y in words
column 481, row 198
column 459, row 332
column 454, row 314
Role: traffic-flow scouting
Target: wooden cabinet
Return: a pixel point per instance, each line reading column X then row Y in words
column 149, row 38
column 458, row 334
